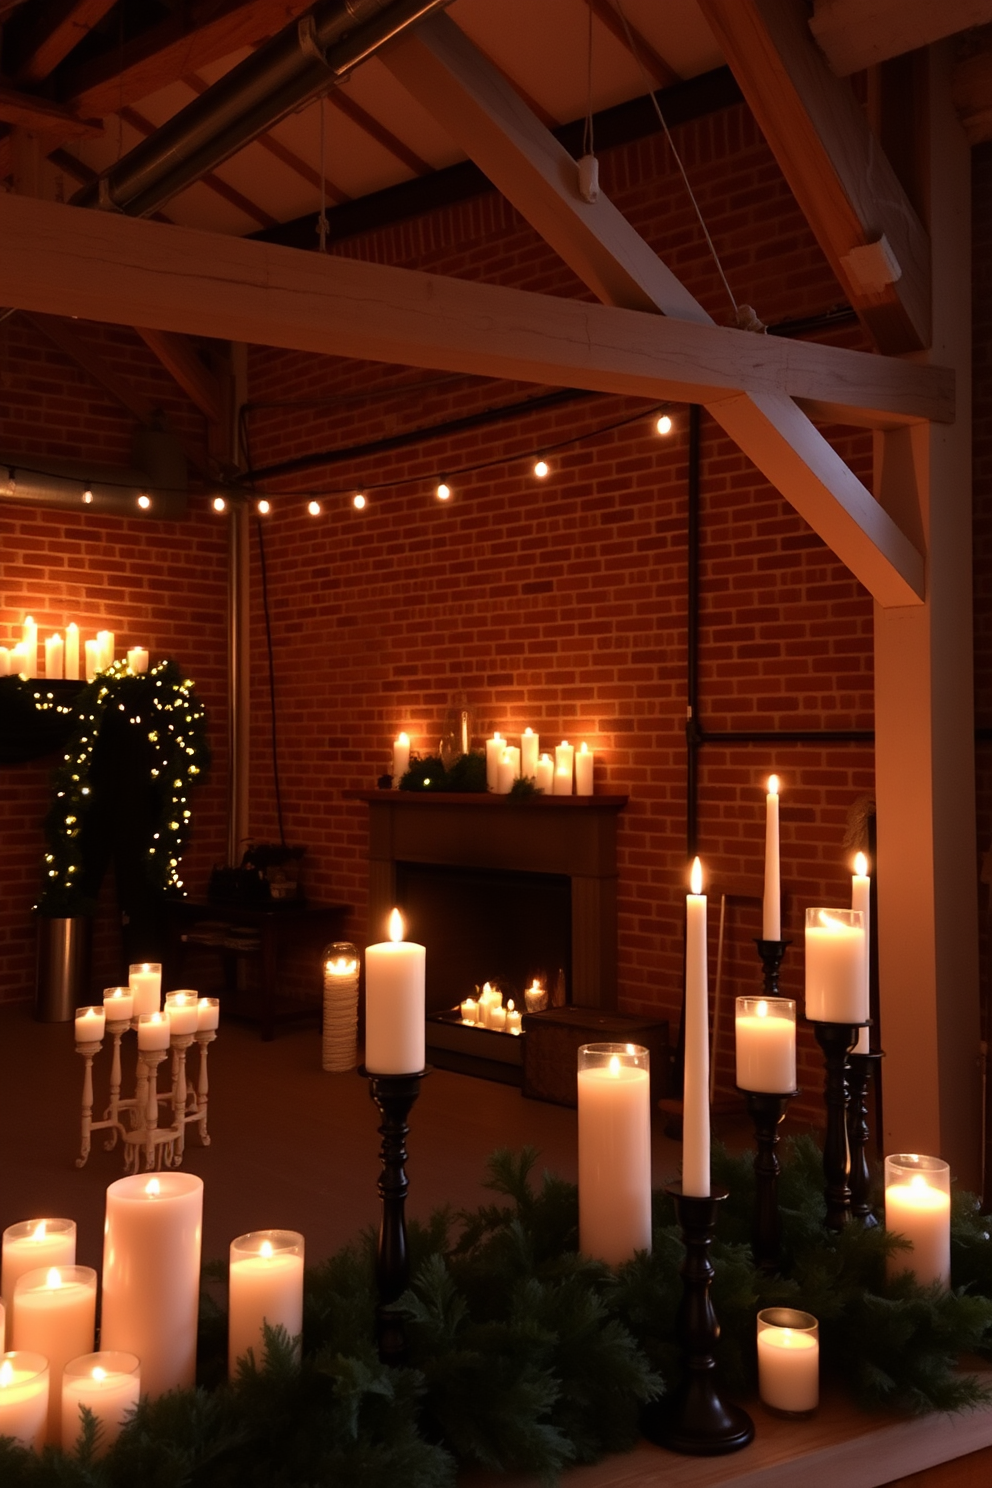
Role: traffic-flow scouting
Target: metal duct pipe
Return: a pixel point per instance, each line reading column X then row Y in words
column 301, row 62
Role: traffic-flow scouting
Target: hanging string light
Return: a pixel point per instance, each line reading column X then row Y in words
column 664, row 424
column 314, row 508
column 542, row 469
column 443, row 492
column 358, row 501
column 144, row 501
column 263, row 507
column 219, row 504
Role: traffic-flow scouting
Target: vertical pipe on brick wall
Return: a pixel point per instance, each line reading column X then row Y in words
column 238, row 710
column 692, row 728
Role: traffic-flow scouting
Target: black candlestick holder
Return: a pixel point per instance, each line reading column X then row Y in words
column 696, row 1419
column 394, row 1095
column 836, row 1040
column 860, row 1068
column 771, row 953
column 767, row 1112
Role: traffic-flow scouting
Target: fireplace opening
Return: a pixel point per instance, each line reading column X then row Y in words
column 484, row 924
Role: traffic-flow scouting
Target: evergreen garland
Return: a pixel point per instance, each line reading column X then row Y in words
column 527, row 1356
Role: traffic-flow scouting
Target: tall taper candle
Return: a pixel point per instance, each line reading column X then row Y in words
column 771, row 916
column 861, row 899
column 394, row 1004
column 696, row 1081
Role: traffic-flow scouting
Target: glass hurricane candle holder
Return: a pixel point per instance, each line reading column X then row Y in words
column 614, row 1097
column 145, row 981
column 918, row 1207
column 340, row 1025
column 24, row 1385
column 789, row 1360
column 836, row 978
column 766, row 1045
column 266, row 1286
column 107, row 1383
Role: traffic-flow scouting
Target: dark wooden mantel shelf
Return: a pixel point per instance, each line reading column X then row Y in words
column 486, row 798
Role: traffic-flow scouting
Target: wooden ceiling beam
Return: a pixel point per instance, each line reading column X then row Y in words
column 195, row 36
column 971, row 87
column 57, row 29
column 635, row 43
column 383, row 136
column 179, row 358
column 37, row 115
column 841, row 178
column 859, row 33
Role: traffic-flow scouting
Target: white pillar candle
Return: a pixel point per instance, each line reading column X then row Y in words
column 771, row 915
column 181, row 1008
column 109, row 1385
column 137, row 660
column 55, row 1315
column 564, row 755
column 614, row 1127
column 788, row 1360
column 583, row 771
column 861, row 899
column 497, row 1018
column 696, row 1079
column 118, row 1004
column 145, row 981
column 266, row 1286
column 29, row 647
column 394, row 1004
column 20, row 665
column 544, row 775
column 529, row 749
column 504, row 774
column 72, row 651
column 535, row 997
column 401, row 758
column 918, row 1207
column 105, row 640
column 92, row 652
column 494, row 753
column 513, row 1024
column 151, row 1275
column 54, row 656
column 153, row 1031
column 4, row 661
column 90, row 1024
column 207, row 1014
column 836, row 985
column 24, row 1384
column 33, row 1243
column 766, row 1045
column 489, row 999
column 470, row 1010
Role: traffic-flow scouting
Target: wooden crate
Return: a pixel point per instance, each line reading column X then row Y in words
column 553, row 1039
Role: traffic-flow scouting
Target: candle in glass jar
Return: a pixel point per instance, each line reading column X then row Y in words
column 181, row 1008
column 544, row 774
column 836, row 984
column 614, row 1128
column 90, row 1024
column 153, row 1031
column 394, row 1004
column 207, row 1014
column 401, row 758
column 564, row 756
column 106, row 1383
column 31, row 1244
column 266, row 1286
column 788, row 1360
column 918, row 1207
column 24, row 1384
column 771, row 912
column 696, row 1080
column 151, row 1275
column 54, row 656
column 55, row 1315
column 535, row 997
column 72, row 651
column 766, row 1045
column 583, row 771
column 118, row 1004
column 145, row 980
column 861, row 899
column 529, row 749
column 470, row 1010
column 495, row 749
column 137, row 660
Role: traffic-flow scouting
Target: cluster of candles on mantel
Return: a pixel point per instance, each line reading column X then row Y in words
column 150, row 1306
column 487, row 1010
column 62, row 654
column 569, row 773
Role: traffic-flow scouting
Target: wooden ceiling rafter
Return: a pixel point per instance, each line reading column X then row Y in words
column 58, row 27
column 854, row 34
column 369, row 125
column 847, row 190
column 40, row 116
column 635, row 42
column 210, row 179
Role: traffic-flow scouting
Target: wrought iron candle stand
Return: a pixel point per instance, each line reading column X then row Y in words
column 836, row 1040
column 696, row 1419
column 143, row 1137
column 860, row 1067
column 771, row 953
column 767, row 1112
column 394, row 1095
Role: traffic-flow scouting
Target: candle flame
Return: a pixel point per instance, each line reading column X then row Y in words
column 204, row 1002
column 583, row 748
column 535, row 986
column 918, row 1183
column 696, row 877
column 179, row 1000
column 53, row 1279
column 773, row 785
column 509, row 1006
column 146, row 966
column 828, row 922
column 265, row 1248
column 861, row 865
column 41, row 1230
column 6, row 1373
column 497, row 734
column 403, row 739
column 762, row 1009
column 396, row 926
column 615, row 1065
column 153, row 1187
column 98, row 1373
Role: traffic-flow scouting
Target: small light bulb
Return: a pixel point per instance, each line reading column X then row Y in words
column 87, row 496
column 263, row 508
column 542, row 469
column 664, row 424
column 144, row 501
column 314, row 508
column 358, row 501
column 443, row 491
column 219, row 504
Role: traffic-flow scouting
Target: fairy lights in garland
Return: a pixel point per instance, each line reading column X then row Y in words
column 164, row 703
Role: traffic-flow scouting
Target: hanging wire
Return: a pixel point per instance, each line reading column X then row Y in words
column 678, row 159
column 322, row 219
column 587, row 139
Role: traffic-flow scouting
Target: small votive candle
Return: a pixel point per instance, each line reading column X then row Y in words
column 836, row 983
column 207, row 1014
column 145, row 979
column 107, row 1383
column 90, row 1024
column 118, row 1004
column 470, row 1010
column 789, row 1360
column 55, row 1315
column 24, row 1382
column 266, row 1286
column 153, row 1031
column 918, row 1207
column 544, row 774
column 512, row 1018
column 137, row 659
column 181, row 1008
column 766, row 1045
column 30, row 1244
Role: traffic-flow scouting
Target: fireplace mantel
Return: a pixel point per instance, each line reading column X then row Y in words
column 574, row 836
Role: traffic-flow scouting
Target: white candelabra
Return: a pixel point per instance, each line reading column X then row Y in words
column 136, row 1120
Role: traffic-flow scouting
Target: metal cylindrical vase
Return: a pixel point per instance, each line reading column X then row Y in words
column 63, row 961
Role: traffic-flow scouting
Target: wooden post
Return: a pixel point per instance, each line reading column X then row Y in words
column 924, row 720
